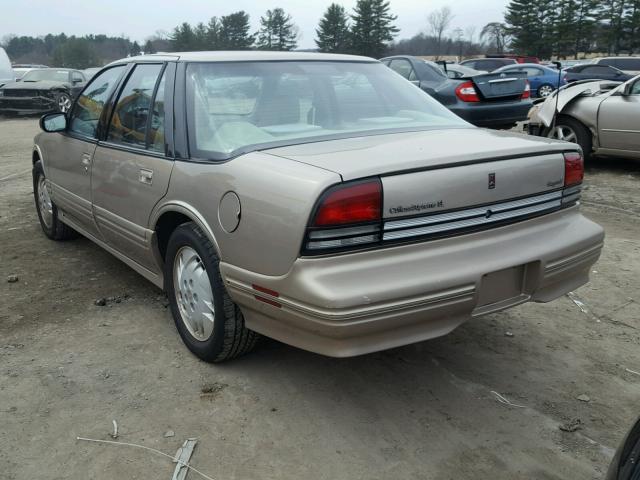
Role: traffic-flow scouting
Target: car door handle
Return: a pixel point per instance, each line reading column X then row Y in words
column 145, row 176
column 86, row 161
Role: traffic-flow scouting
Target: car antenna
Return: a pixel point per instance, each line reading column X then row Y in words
column 555, row 110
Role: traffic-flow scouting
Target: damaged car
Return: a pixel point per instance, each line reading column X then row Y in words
column 603, row 117
column 41, row 91
column 491, row 100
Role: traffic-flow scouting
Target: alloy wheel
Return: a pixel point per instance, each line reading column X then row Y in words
column 64, row 103
column 563, row 132
column 545, row 90
column 44, row 202
column 193, row 293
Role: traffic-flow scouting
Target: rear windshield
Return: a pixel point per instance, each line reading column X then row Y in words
column 50, row 74
column 234, row 108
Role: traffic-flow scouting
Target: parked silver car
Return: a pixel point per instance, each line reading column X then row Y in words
column 601, row 116
column 321, row 200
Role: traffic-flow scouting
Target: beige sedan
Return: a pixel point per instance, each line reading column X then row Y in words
column 321, row 200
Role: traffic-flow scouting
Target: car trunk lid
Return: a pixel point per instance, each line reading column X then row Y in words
column 498, row 86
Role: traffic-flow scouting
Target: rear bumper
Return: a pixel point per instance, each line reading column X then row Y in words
column 488, row 114
column 357, row 303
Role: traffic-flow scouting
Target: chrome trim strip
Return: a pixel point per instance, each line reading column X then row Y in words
column 572, row 260
column 473, row 212
column 343, row 232
column 472, row 222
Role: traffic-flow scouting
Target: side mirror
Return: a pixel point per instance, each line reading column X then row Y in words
column 53, row 122
column 628, row 89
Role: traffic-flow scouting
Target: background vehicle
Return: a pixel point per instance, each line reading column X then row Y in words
column 629, row 65
column 517, row 58
column 485, row 100
column 89, row 73
column 6, row 73
column 42, row 90
column 601, row 116
column 588, row 71
column 626, row 461
column 307, row 198
column 543, row 80
column 455, row 70
column 488, row 64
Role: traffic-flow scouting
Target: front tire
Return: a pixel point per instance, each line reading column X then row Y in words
column 63, row 102
column 571, row 130
column 210, row 324
column 51, row 225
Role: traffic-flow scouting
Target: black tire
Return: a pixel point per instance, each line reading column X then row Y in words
column 583, row 135
column 60, row 96
column 542, row 87
column 56, row 230
column 230, row 337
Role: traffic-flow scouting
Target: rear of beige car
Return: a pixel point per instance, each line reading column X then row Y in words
column 421, row 234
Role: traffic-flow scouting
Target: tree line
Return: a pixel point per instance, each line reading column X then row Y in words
column 569, row 28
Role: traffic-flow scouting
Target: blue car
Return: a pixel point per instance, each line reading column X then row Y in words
column 543, row 80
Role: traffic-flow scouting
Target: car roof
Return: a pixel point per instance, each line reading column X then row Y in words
column 244, row 56
column 527, row 65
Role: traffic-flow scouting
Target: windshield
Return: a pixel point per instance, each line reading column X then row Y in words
column 49, row 74
column 238, row 107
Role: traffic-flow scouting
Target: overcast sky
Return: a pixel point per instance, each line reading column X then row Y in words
column 138, row 19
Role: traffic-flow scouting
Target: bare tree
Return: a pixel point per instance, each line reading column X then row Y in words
column 439, row 21
column 497, row 35
column 470, row 33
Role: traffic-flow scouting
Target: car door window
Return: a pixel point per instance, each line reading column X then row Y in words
column 156, row 126
column 598, row 70
column 87, row 110
column 130, row 116
column 404, row 68
column 635, row 89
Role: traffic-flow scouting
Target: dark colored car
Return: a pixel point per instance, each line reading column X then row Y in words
column 543, row 80
column 488, row 64
column 626, row 462
column 41, row 91
column 595, row 72
column 486, row 100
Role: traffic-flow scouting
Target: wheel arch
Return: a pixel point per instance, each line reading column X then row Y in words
column 569, row 113
column 169, row 217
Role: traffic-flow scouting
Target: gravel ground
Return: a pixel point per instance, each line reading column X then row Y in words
column 69, row 367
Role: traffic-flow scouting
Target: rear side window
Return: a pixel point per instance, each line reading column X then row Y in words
column 131, row 114
column 404, row 68
column 622, row 63
column 598, row 70
column 87, row 110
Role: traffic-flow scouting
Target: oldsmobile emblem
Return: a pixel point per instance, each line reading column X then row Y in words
column 492, row 181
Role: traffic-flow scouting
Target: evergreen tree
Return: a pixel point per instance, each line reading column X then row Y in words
column 135, row 49
column 234, row 32
column 277, row 31
column 213, row 34
column 201, row 34
column 333, row 30
column 531, row 25
column 372, row 27
column 183, row 38
column 148, row 47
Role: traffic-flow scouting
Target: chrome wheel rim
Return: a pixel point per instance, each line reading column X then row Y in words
column 44, row 203
column 562, row 132
column 64, row 103
column 193, row 293
column 545, row 91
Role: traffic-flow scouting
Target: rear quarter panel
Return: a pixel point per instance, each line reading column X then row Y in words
column 276, row 196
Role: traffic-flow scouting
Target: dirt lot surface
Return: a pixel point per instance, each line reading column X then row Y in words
column 428, row 411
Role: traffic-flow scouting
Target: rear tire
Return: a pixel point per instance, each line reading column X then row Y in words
column 51, row 225
column 198, row 298
column 571, row 130
column 545, row 90
column 63, row 102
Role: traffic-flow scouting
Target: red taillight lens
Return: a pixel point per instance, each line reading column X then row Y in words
column 527, row 91
column 467, row 92
column 573, row 168
column 357, row 203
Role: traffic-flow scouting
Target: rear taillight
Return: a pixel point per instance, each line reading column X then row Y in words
column 467, row 92
column 527, row 90
column 573, row 175
column 347, row 216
